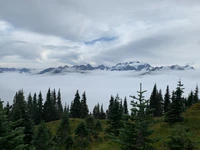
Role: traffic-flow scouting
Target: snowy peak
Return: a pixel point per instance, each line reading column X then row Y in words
column 19, row 70
column 143, row 68
column 135, row 65
column 170, row 68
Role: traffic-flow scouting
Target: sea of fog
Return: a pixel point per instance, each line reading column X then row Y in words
column 98, row 85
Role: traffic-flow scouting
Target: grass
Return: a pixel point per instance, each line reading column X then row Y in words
column 161, row 130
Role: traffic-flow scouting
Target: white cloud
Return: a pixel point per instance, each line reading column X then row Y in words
column 55, row 32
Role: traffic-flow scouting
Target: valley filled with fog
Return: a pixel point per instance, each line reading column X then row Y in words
column 98, row 85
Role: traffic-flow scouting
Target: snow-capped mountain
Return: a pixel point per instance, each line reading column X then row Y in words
column 20, row 70
column 142, row 68
column 135, row 65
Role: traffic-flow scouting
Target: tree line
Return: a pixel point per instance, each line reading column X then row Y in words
column 130, row 129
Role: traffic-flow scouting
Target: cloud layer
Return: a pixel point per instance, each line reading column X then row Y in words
column 58, row 32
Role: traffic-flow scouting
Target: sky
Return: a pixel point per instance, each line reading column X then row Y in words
column 51, row 33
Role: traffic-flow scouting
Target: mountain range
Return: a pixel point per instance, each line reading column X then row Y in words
column 144, row 68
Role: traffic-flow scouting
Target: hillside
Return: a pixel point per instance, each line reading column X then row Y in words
column 161, row 130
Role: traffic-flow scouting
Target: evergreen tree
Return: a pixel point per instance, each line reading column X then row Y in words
column 110, row 107
column 64, row 137
column 154, row 100
column 81, row 137
column 54, row 106
column 196, row 95
column 30, row 106
column 84, row 107
column 11, row 136
column 20, row 113
column 96, row 111
column 190, row 100
column 40, row 108
column 19, row 108
column 176, row 107
column 59, row 105
column 49, row 108
column 102, row 113
column 115, row 118
column 166, row 100
column 42, row 139
column 159, row 106
column 35, row 108
column 180, row 139
column 125, row 106
column 134, row 135
column 75, row 110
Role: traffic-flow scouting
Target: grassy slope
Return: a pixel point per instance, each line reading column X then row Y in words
column 160, row 128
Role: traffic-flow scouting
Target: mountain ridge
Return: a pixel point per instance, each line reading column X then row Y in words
column 126, row 66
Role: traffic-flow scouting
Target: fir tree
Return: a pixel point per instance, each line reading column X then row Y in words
column 115, row 118
column 19, row 108
column 81, row 137
column 102, row 113
column 42, row 139
column 75, row 111
column 59, row 105
column 35, row 108
column 196, row 95
column 96, row 111
column 49, row 108
column 190, row 100
column 30, row 106
column 125, row 106
column 176, row 107
column 159, row 106
column 11, row 136
column 64, row 137
column 154, row 100
column 134, row 135
column 84, row 107
column 166, row 100
column 40, row 108
column 110, row 107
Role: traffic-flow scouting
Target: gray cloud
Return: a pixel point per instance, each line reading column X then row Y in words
column 55, row 31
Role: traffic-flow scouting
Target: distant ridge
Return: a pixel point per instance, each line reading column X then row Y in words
column 144, row 68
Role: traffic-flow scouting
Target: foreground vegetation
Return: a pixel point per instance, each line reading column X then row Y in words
column 169, row 123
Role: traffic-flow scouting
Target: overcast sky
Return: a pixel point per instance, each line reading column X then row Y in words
column 44, row 33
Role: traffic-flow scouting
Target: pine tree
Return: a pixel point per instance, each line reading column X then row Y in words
column 115, row 118
column 75, row 110
column 54, row 106
column 64, row 137
column 134, row 135
column 96, row 111
column 42, row 138
column 59, row 105
column 19, row 108
column 81, row 137
column 166, row 100
column 35, row 108
column 110, row 107
column 11, row 135
column 159, row 106
column 30, row 106
column 84, row 107
column 154, row 100
column 40, row 108
column 49, row 108
column 102, row 113
column 20, row 112
column 125, row 106
column 196, row 95
column 190, row 100
column 176, row 107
